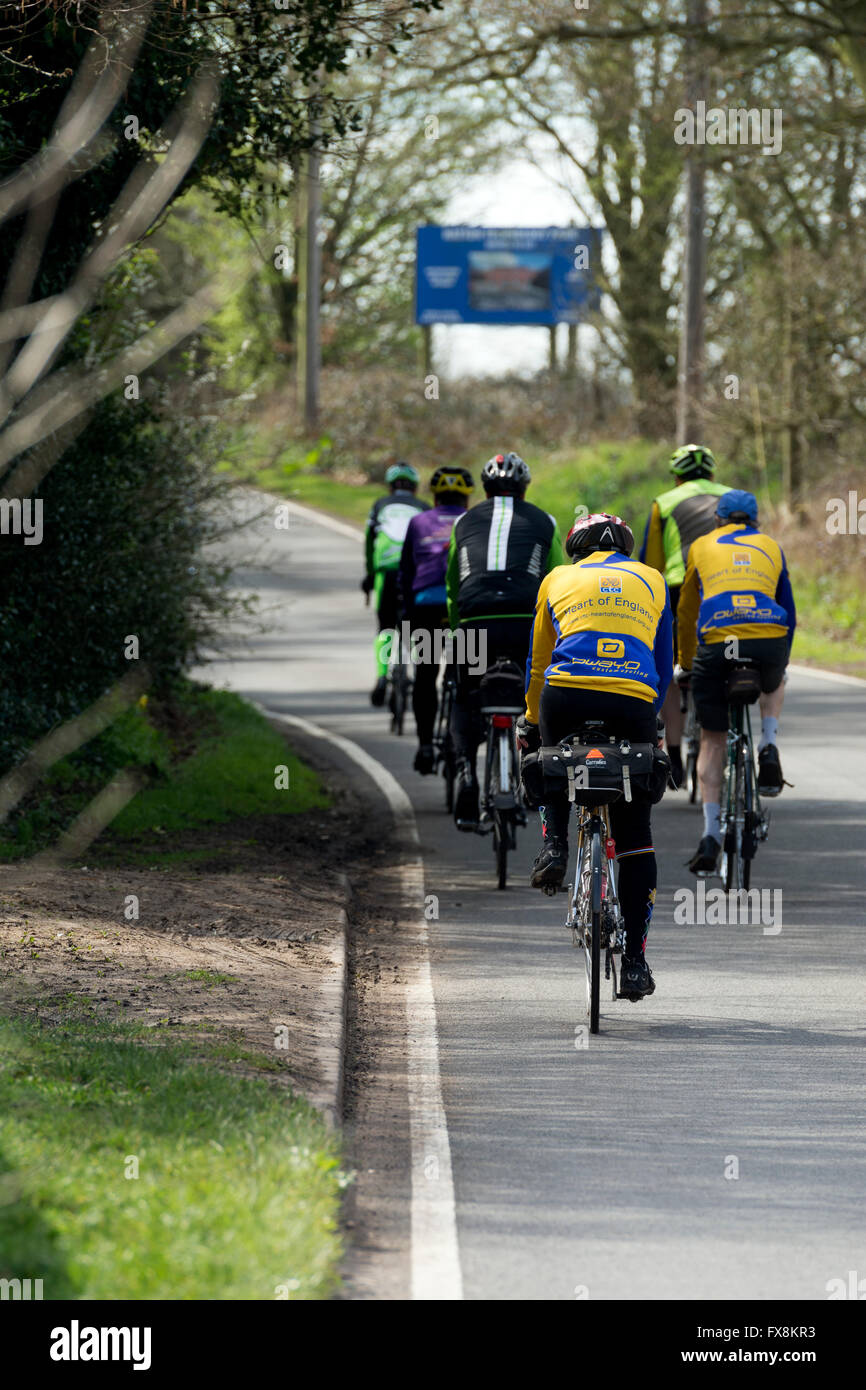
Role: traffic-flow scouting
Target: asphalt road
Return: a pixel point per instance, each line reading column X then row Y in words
column 709, row 1142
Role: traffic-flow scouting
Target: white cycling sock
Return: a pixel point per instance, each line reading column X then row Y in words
column 711, row 820
column 769, row 730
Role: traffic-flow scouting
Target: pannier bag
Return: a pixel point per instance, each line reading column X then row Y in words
column 744, row 685
column 501, row 689
column 596, row 774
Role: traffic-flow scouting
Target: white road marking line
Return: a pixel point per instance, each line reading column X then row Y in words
column 435, row 1253
column 822, row 675
column 343, row 527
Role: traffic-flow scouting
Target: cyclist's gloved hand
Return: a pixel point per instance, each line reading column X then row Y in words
column 682, row 677
column 367, row 584
column 528, row 735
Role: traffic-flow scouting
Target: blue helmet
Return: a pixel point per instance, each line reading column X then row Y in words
column 737, row 506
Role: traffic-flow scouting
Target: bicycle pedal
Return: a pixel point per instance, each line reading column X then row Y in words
column 549, row 891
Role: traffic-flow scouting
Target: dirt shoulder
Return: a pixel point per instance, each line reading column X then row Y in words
column 239, row 946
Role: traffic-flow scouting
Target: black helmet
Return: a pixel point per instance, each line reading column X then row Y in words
column 505, row 473
column 600, row 531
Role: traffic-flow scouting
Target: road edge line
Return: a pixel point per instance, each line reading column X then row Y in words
column 822, row 674
column 434, row 1250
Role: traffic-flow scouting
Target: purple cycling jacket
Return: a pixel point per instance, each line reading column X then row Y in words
column 424, row 558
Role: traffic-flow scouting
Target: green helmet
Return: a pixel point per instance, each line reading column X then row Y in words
column 693, row 461
column 402, row 471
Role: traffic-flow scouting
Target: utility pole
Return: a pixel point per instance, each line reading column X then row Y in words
column 309, row 283
column 690, row 377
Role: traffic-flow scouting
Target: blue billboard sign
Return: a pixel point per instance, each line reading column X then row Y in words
column 542, row 275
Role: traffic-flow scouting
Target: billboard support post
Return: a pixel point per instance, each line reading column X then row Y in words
column 552, row 348
column 571, row 353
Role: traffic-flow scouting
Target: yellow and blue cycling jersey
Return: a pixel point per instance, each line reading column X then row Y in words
column 603, row 624
column 736, row 584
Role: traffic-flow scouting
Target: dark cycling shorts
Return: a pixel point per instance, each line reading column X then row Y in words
column 561, row 712
column 711, row 670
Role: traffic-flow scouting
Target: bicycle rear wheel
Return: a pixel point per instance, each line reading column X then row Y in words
column 500, row 845
column 402, row 686
column 692, row 774
column 594, row 958
column 448, row 772
column 733, row 847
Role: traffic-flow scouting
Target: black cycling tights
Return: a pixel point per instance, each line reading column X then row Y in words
column 562, row 711
column 494, row 639
column 426, row 618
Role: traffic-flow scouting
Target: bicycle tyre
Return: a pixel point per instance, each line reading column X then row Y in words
column 595, row 942
column 692, row 777
column 448, row 772
column 736, row 827
column 500, row 836
column 400, row 686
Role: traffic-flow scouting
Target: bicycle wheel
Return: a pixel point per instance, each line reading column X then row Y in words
column 692, row 777
column 500, row 846
column 596, row 869
column 733, row 847
column 448, row 772
column 402, row 686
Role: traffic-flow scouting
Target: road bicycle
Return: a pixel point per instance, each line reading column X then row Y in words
column 594, row 913
column 690, row 744
column 744, row 823
column 501, row 702
column 597, row 769
column 398, row 680
column 443, row 741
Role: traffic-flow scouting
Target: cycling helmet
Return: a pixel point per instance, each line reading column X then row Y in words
column 693, row 461
column 402, row 472
column 600, row 531
column 452, row 480
column 505, row 473
column 737, row 506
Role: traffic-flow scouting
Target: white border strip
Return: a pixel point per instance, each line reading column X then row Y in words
column 822, row 675
column 310, row 514
column 435, row 1254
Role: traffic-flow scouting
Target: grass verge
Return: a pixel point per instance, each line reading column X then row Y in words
column 211, row 758
column 135, row 1168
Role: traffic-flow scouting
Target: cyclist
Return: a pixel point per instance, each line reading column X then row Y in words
column 383, row 541
column 602, row 649
column 676, row 518
column 736, row 604
column 500, row 551
column 423, row 563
